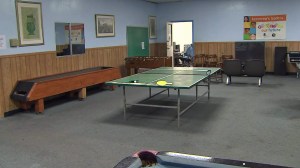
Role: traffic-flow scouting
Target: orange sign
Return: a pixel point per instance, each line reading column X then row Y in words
column 271, row 18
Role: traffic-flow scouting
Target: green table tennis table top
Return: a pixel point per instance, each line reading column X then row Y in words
column 176, row 77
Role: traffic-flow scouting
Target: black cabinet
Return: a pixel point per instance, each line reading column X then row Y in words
column 280, row 60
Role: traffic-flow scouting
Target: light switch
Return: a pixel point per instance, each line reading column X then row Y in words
column 14, row 42
column 143, row 45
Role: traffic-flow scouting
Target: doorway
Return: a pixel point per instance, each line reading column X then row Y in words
column 179, row 39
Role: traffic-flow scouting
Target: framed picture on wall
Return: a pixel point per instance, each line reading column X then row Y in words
column 152, row 26
column 105, row 25
column 30, row 24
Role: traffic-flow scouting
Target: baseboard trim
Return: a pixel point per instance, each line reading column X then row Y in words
column 12, row 112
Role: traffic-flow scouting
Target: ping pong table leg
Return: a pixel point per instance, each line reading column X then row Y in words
column 227, row 80
column 124, row 101
column 149, row 92
column 196, row 91
column 208, row 86
column 178, row 108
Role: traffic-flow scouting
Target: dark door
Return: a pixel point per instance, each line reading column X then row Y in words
column 279, row 60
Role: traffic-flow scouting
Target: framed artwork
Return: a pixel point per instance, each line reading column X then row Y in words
column 105, row 25
column 30, row 24
column 152, row 26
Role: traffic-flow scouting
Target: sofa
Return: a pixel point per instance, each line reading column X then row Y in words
column 249, row 68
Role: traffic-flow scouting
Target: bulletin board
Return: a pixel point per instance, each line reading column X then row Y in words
column 271, row 27
column 250, row 50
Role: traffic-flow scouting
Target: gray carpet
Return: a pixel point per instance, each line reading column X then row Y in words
column 241, row 121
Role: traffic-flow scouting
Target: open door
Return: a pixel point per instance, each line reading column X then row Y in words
column 179, row 40
column 170, row 42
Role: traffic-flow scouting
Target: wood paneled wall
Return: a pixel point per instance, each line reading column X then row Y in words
column 25, row 66
column 228, row 48
column 218, row 48
column 270, row 49
column 158, row 49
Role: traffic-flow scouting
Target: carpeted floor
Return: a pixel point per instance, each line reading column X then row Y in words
column 241, row 121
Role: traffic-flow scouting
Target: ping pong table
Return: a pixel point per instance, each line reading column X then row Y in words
column 177, row 78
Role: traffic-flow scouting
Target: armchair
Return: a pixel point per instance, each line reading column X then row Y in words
column 255, row 68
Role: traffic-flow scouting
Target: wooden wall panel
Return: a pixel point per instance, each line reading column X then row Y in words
column 2, row 99
column 161, row 49
column 25, row 66
column 228, row 48
column 7, row 83
column 158, row 49
column 270, row 52
column 152, row 49
column 292, row 46
column 218, row 48
column 269, row 60
column 31, row 65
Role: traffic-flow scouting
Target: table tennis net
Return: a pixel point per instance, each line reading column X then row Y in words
column 178, row 72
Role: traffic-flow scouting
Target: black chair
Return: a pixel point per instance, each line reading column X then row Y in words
column 255, row 68
column 232, row 67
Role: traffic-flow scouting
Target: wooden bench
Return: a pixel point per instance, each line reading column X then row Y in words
column 37, row 89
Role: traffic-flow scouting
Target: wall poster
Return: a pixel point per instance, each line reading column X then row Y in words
column 272, row 27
